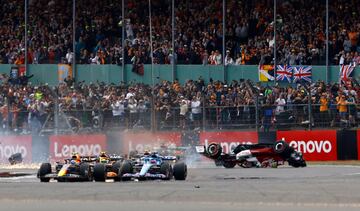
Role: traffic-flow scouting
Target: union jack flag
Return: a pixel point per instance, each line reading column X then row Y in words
column 345, row 71
column 284, row 72
column 302, row 73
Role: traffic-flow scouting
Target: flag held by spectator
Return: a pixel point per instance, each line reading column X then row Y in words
column 266, row 73
column 302, row 73
column 64, row 71
column 345, row 71
column 284, row 72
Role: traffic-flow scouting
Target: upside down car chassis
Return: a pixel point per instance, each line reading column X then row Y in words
column 256, row 155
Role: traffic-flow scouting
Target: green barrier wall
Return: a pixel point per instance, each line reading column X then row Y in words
column 47, row 73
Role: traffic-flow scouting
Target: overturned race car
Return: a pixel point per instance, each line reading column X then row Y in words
column 254, row 155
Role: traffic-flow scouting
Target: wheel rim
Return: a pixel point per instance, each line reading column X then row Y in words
column 213, row 149
column 279, row 146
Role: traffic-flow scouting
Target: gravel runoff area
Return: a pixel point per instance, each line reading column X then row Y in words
column 317, row 187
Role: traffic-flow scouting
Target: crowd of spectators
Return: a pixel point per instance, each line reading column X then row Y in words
column 249, row 29
column 170, row 105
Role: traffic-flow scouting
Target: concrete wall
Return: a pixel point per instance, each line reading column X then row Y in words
column 47, row 73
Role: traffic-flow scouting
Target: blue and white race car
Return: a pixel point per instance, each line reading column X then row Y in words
column 152, row 166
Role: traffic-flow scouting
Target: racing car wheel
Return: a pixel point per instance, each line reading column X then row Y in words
column 85, row 171
column 180, row 171
column 214, row 150
column 283, row 148
column 100, row 172
column 126, row 168
column 45, row 169
column 166, row 169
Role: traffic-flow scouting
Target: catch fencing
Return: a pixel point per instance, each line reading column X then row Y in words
column 211, row 118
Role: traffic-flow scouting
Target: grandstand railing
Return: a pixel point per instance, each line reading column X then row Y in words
column 243, row 117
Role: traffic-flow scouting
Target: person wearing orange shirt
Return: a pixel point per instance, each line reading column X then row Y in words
column 324, row 108
column 342, row 107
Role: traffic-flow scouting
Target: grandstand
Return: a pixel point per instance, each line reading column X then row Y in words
column 181, row 64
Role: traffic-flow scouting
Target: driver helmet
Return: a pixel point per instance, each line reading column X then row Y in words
column 103, row 154
column 76, row 158
column 146, row 152
column 103, row 157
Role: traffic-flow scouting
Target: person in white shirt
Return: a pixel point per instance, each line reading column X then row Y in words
column 94, row 59
column 280, row 105
column 183, row 112
column 238, row 60
column 342, row 58
column 69, row 56
column 196, row 112
column 118, row 110
column 228, row 59
column 132, row 106
column 218, row 58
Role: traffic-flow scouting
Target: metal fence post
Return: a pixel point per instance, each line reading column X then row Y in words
column 204, row 114
column 74, row 41
column 274, row 25
column 8, row 129
column 257, row 113
column 56, row 115
column 173, row 39
column 309, row 108
column 26, row 37
column 123, row 41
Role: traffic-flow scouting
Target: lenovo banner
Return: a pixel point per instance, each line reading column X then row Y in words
column 315, row 145
column 63, row 146
column 10, row 145
column 148, row 141
column 228, row 140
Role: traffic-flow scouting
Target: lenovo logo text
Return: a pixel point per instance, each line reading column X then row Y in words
column 83, row 149
column 7, row 150
column 312, row 146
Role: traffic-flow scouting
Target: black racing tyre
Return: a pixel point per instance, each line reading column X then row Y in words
column 180, row 171
column 85, row 171
column 115, row 168
column 45, row 169
column 100, row 172
column 281, row 147
column 166, row 169
column 214, row 150
column 125, row 168
column 229, row 165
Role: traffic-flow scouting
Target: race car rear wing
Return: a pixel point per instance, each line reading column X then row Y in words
column 200, row 149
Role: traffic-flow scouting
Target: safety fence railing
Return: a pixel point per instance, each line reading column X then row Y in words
column 241, row 117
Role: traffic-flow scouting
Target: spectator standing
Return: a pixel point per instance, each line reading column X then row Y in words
column 324, row 109
column 228, row 59
column 342, row 107
column 118, row 111
column 183, row 112
column 196, row 111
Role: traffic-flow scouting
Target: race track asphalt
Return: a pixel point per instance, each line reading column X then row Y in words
column 206, row 189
